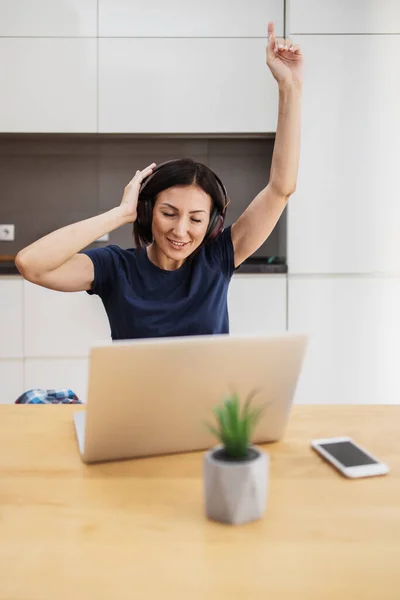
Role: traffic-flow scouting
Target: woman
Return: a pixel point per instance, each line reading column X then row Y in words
column 176, row 280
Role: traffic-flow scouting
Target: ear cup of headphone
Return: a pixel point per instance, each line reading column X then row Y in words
column 140, row 212
column 144, row 208
column 216, row 227
column 144, row 211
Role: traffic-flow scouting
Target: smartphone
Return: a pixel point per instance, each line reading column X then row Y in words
column 349, row 458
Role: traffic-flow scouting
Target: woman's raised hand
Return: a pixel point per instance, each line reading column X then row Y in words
column 131, row 192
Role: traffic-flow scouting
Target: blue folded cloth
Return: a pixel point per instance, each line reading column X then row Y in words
column 38, row 396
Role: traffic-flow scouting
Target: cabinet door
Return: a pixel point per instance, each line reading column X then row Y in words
column 57, row 373
column 354, row 344
column 209, row 18
column 48, row 85
column 11, row 317
column 257, row 304
column 12, row 380
column 345, row 214
column 342, row 16
column 59, row 324
column 185, row 86
column 55, row 18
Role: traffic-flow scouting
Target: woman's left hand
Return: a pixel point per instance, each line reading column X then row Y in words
column 284, row 59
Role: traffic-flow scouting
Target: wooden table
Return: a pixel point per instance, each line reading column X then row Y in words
column 136, row 529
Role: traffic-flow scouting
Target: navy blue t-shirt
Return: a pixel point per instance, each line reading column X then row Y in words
column 145, row 301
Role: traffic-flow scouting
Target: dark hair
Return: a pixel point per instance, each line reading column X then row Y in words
column 181, row 171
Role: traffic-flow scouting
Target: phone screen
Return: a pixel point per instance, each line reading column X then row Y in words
column 348, row 454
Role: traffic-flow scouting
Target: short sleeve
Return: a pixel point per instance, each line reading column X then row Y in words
column 103, row 260
column 221, row 250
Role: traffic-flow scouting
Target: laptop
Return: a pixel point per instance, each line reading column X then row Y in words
column 151, row 397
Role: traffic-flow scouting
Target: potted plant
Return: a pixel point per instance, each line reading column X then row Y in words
column 235, row 471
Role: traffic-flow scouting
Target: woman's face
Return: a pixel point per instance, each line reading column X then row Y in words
column 180, row 219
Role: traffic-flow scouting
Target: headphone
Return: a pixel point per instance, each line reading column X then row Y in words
column 145, row 206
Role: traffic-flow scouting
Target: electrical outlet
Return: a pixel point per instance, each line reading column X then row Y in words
column 7, row 233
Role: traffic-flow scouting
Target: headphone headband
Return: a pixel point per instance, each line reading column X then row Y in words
column 167, row 162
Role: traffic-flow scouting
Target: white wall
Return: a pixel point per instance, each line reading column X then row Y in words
column 343, row 17
column 344, row 220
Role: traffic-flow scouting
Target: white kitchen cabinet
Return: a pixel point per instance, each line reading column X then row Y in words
column 344, row 16
column 64, row 325
column 57, row 373
column 185, row 86
column 61, row 324
column 209, row 18
column 54, row 18
column 257, row 304
column 11, row 317
column 345, row 214
column 48, row 85
column 12, row 380
column 353, row 325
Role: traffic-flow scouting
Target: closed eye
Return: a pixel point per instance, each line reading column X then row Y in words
column 166, row 214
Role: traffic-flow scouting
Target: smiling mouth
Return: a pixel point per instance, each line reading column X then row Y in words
column 177, row 244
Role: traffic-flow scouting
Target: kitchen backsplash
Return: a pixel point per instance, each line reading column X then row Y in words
column 48, row 181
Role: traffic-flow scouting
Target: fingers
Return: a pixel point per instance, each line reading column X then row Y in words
column 271, row 41
column 140, row 175
column 271, row 34
column 286, row 44
column 148, row 169
column 280, row 44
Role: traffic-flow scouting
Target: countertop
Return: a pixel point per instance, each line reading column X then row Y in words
column 7, row 265
column 252, row 265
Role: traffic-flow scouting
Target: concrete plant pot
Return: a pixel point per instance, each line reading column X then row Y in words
column 235, row 491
